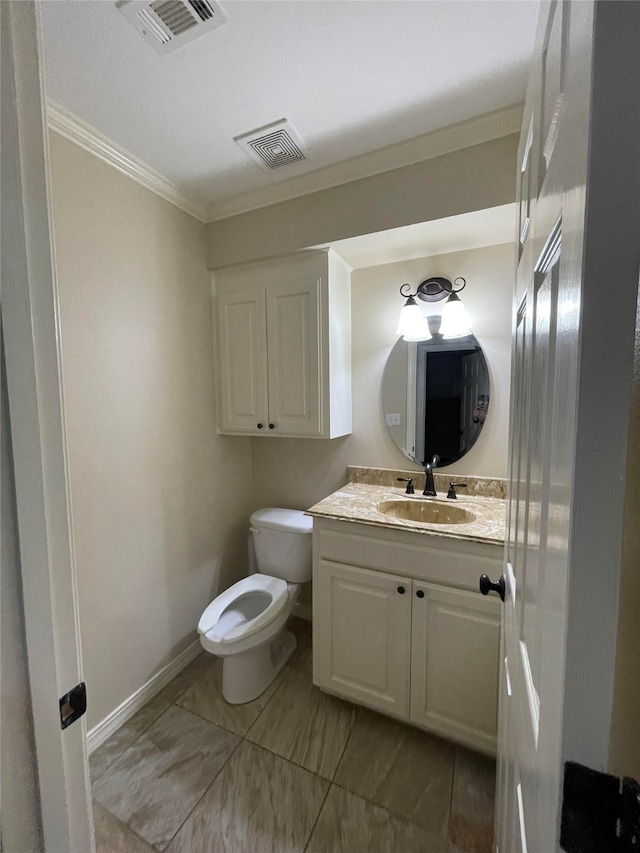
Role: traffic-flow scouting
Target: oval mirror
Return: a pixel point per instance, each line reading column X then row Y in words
column 435, row 396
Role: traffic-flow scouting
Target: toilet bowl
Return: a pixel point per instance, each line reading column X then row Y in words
column 246, row 624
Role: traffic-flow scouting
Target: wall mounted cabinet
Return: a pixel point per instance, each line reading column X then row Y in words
column 284, row 347
column 420, row 644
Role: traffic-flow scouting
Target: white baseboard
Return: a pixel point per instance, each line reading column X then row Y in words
column 128, row 708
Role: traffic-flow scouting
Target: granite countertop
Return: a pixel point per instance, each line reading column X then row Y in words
column 358, row 502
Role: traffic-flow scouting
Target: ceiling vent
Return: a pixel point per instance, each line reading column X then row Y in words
column 273, row 145
column 170, row 24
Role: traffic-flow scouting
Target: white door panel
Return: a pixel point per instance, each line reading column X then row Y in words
column 571, row 377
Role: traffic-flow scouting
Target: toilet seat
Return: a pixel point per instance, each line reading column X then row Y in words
column 258, row 584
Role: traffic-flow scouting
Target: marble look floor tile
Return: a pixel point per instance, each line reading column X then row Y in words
column 472, row 802
column 401, row 768
column 123, row 737
column 259, row 803
column 187, row 676
column 205, row 698
column 154, row 785
column 350, row 824
column 304, row 725
column 112, row 836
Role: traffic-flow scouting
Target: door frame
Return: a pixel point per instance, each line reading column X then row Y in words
column 36, row 415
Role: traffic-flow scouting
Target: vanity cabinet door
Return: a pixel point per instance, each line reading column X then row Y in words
column 454, row 664
column 243, row 361
column 362, row 627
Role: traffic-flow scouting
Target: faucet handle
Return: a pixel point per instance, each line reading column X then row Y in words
column 452, row 490
column 409, row 481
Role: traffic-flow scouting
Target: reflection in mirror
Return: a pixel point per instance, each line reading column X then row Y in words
column 435, row 396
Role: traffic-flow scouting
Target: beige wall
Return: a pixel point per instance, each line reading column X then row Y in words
column 299, row 472
column 473, row 178
column 160, row 502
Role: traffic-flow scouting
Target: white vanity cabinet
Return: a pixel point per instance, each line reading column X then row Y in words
column 284, row 347
column 399, row 626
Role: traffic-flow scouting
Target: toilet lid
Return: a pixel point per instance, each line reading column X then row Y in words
column 274, row 587
column 277, row 518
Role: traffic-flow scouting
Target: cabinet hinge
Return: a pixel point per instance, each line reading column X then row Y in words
column 600, row 813
column 73, row 705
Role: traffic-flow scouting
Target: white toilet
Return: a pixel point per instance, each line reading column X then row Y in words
column 246, row 624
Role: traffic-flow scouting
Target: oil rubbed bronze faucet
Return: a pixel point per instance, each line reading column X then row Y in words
column 429, row 487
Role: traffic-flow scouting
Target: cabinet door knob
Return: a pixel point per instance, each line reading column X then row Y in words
column 260, row 426
column 420, row 593
column 271, row 426
column 401, row 590
column 487, row 585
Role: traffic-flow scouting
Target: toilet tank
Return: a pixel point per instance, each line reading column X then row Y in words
column 282, row 542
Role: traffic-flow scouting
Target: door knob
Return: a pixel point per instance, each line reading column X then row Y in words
column 486, row 585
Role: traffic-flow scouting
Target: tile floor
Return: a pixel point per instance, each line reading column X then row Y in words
column 295, row 771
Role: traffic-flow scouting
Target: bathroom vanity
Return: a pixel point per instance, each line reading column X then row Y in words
column 398, row 622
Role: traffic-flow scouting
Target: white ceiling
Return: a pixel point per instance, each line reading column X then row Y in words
column 437, row 237
column 353, row 76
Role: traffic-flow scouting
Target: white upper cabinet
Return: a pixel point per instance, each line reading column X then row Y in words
column 284, row 347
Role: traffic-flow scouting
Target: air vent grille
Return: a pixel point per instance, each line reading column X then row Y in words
column 174, row 15
column 168, row 24
column 274, row 145
column 202, row 9
column 153, row 27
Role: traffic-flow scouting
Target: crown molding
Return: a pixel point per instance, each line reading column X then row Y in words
column 474, row 131
column 69, row 125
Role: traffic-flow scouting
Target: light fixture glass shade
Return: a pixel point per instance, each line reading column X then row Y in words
column 455, row 321
column 420, row 332
column 413, row 325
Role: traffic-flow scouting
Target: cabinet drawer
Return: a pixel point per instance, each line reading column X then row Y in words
column 416, row 555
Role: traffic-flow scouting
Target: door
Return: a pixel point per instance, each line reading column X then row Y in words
column 362, row 650
column 295, row 358
column 571, row 381
column 243, row 361
column 474, row 398
column 29, row 318
column 455, row 639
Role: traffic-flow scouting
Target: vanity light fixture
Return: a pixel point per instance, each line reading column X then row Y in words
column 413, row 324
